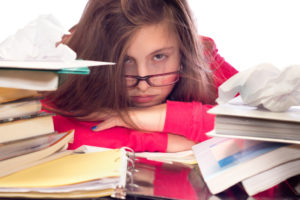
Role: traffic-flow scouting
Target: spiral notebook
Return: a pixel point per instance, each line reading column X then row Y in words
column 79, row 175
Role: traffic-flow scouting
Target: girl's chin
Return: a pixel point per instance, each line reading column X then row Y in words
column 142, row 105
column 144, row 101
column 145, row 104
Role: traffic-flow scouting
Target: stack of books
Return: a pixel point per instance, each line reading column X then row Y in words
column 27, row 134
column 237, row 120
column 251, row 146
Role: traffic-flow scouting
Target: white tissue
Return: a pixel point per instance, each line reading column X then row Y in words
column 264, row 85
column 36, row 41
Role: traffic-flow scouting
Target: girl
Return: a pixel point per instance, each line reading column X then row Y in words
column 156, row 96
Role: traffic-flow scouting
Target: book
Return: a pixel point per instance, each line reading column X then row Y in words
column 29, row 80
column 267, row 179
column 225, row 162
column 12, row 94
column 41, row 75
column 94, row 175
column 247, row 122
column 266, row 139
column 19, row 108
column 28, row 126
column 27, row 145
column 53, row 150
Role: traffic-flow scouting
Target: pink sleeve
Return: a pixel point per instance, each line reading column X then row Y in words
column 189, row 119
column 151, row 142
column 222, row 69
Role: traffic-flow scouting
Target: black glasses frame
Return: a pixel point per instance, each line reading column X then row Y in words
column 146, row 78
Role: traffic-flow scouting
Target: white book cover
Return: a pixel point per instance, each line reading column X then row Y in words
column 236, row 108
column 225, row 162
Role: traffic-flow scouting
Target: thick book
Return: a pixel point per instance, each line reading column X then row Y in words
column 29, row 79
column 54, row 149
column 267, row 179
column 26, row 127
column 19, row 108
column 41, row 75
column 225, row 162
column 237, row 120
column 13, row 94
column 79, row 175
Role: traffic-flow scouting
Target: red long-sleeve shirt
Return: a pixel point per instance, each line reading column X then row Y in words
column 192, row 122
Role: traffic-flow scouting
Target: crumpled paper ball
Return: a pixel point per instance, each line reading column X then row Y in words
column 264, row 85
column 36, row 41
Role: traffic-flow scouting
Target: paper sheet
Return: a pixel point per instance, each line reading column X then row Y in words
column 264, row 85
column 37, row 41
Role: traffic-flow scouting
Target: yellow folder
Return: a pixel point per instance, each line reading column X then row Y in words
column 71, row 169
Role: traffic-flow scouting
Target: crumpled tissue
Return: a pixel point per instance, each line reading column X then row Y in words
column 264, row 85
column 36, row 41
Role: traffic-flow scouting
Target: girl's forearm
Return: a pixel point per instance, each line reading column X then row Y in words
column 178, row 143
column 150, row 118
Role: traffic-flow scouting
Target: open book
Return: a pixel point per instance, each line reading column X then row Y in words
column 225, row 162
column 271, row 177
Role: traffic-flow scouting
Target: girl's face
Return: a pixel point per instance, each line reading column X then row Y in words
column 153, row 49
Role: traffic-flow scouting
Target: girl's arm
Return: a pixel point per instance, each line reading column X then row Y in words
column 178, row 143
column 188, row 119
column 149, row 119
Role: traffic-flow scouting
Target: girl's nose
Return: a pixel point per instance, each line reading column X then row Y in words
column 143, row 85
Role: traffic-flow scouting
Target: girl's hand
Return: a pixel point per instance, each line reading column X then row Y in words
column 109, row 119
column 148, row 119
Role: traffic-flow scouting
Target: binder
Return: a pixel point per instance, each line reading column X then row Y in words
column 163, row 180
column 140, row 179
column 79, row 175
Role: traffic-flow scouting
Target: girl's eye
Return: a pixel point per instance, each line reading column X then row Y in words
column 159, row 57
column 128, row 61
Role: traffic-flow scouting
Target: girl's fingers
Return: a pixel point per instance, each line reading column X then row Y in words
column 109, row 123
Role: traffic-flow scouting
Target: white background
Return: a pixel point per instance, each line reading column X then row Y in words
column 247, row 32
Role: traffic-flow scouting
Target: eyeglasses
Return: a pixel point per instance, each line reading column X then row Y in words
column 155, row 80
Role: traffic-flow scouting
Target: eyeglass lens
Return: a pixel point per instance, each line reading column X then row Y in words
column 155, row 80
